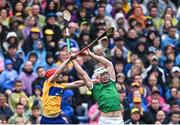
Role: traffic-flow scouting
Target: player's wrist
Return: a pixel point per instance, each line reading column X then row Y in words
column 91, row 54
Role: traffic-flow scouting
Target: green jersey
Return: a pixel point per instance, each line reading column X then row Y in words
column 107, row 97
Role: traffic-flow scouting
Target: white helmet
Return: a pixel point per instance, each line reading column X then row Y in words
column 98, row 71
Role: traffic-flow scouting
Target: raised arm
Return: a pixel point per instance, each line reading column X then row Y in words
column 83, row 74
column 75, row 84
column 108, row 65
column 59, row 71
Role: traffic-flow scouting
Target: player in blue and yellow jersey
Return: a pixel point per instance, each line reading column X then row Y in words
column 52, row 94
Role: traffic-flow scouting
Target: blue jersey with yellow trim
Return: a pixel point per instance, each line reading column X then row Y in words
column 52, row 96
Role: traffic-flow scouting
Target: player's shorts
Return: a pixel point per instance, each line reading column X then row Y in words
column 110, row 121
column 56, row 120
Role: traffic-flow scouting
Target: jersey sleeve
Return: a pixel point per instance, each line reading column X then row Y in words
column 47, row 83
column 91, row 87
column 113, row 81
column 62, row 85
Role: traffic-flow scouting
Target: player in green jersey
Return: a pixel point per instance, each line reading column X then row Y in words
column 104, row 92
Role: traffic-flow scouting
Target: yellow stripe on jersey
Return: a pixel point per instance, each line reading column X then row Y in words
column 52, row 96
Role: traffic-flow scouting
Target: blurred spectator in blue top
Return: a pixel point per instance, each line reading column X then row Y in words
column 8, row 76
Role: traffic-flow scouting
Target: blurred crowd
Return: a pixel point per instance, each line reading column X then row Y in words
column 144, row 49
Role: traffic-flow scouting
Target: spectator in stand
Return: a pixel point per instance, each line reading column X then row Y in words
column 62, row 42
column 155, row 94
column 62, row 56
column 36, row 113
column 93, row 114
column 66, row 106
column 137, row 103
column 155, row 69
column 173, row 95
column 98, row 50
column 36, row 98
column 82, row 16
column 39, row 48
column 177, row 62
column 4, row 4
column 138, row 15
column 4, row 107
column 27, row 76
column 8, row 76
column 136, row 91
column 104, row 42
column 24, row 101
column 155, row 18
column 33, row 58
column 152, row 82
column 30, row 22
column 84, row 38
column 16, row 94
column 50, row 61
column 175, row 72
column 36, row 13
column 178, row 97
column 118, row 56
column 5, row 17
column 51, row 7
column 125, row 102
column 131, row 59
column 174, row 84
column 3, row 120
column 3, row 33
column 153, row 108
column 174, row 118
column 131, row 41
column 119, row 43
column 161, row 117
column 29, row 41
column 162, row 4
column 108, row 20
column 135, row 117
column 169, row 10
column 73, row 27
column 165, row 26
column 1, row 64
column 19, row 9
column 121, row 21
column 134, row 72
column 174, row 106
column 170, row 39
column 50, row 44
column 142, row 88
column 11, row 39
column 169, row 50
column 51, row 19
column 137, row 64
column 141, row 50
column 167, row 70
column 157, row 42
column 87, row 62
column 16, row 25
column 18, row 114
column 145, row 116
column 11, row 54
column 40, row 79
column 121, row 84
